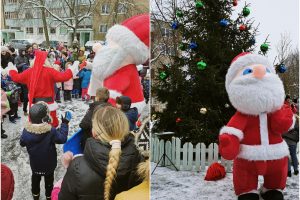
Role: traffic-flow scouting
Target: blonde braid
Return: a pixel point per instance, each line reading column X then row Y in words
column 111, row 171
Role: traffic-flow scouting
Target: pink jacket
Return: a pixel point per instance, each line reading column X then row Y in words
column 68, row 85
column 4, row 103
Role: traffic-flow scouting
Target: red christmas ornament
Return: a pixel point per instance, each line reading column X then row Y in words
column 235, row 3
column 178, row 120
column 215, row 172
column 139, row 123
column 243, row 27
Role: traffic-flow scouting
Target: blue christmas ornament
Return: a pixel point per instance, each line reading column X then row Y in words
column 175, row 25
column 252, row 41
column 224, row 22
column 193, row 45
column 282, row 68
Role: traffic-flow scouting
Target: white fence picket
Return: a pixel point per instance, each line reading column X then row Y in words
column 168, row 153
column 173, row 150
column 197, row 162
column 216, row 153
column 161, row 152
column 185, row 156
column 210, row 154
column 178, row 150
column 203, row 156
column 190, row 156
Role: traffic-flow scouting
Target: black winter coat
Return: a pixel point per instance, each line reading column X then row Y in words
column 132, row 116
column 85, row 176
column 86, row 122
column 40, row 143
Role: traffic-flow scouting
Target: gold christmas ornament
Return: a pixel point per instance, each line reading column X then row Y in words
column 203, row 111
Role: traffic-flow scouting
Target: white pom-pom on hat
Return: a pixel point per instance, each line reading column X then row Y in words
column 97, row 47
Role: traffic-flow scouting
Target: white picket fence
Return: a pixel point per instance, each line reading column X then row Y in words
column 188, row 157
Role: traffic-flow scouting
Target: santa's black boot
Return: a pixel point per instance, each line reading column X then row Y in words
column 36, row 196
column 272, row 195
column 249, row 196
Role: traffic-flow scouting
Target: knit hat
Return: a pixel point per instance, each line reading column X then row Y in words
column 133, row 36
column 4, row 48
column 7, row 183
column 124, row 101
column 242, row 60
column 39, row 113
column 82, row 49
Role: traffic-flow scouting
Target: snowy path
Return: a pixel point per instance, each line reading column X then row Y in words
column 16, row 157
column 168, row 184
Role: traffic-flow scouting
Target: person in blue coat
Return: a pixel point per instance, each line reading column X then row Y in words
column 85, row 75
column 40, row 138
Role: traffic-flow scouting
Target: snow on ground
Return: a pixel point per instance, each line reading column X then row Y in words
column 16, row 157
column 168, row 184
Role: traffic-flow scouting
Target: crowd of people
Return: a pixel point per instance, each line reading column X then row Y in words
column 118, row 171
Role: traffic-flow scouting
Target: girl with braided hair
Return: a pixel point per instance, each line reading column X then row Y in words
column 109, row 163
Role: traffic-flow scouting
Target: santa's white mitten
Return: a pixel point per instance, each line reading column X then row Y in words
column 89, row 65
column 74, row 68
column 10, row 67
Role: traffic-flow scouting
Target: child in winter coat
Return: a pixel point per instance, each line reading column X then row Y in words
column 40, row 138
column 68, row 86
column 85, row 74
column 124, row 103
column 4, row 109
column 13, row 99
column 108, row 165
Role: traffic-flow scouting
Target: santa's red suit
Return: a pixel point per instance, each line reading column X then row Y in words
column 254, row 140
column 40, row 81
column 132, row 37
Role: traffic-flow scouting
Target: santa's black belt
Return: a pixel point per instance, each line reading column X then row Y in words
column 45, row 99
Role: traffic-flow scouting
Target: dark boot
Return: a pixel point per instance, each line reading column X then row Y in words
column 296, row 172
column 3, row 135
column 36, row 196
column 12, row 119
column 249, row 196
column 289, row 174
column 16, row 116
column 272, row 195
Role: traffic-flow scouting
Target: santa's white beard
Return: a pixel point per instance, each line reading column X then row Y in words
column 252, row 96
column 107, row 61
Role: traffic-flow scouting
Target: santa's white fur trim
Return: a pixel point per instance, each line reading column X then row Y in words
column 293, row 124
column 263, row 127
column 243, row 61
column 232, row 131
column 114, row 94
column 129, row 42
column 139, row 105
column 53, row 106
column 264, row 152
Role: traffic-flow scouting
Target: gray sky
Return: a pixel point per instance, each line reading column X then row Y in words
column 275, row 17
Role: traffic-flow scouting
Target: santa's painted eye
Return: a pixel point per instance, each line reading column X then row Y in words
column 268, row 70
column 247, row 71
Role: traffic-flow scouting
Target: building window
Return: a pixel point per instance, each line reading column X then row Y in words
column 12, row 1
column 167, row 50
column 52, row 30
column 63, row 30
column 166, row 32
column 105, row 9
column 29, row 30
column 17, row 28
column 121, row 8
column 103, row 28
column 40, row 30
column 11, row 15
column 28, row 15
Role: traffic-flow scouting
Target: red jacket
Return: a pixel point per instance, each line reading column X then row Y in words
column 126, row 82
column 260, row 136
column 45, row 85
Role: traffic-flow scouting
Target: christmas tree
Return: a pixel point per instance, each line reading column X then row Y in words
column 192, row 85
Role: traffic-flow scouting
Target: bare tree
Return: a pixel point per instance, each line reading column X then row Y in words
column 284, row 47
column 71, row 14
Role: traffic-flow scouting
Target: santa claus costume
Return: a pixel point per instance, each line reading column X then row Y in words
column 252, row 137
column 114, row 65
column 40, row 80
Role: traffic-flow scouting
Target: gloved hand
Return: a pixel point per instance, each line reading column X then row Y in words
column 67, row 118
column 74, row 68
column 89, row 65
column 10, row 67
column 229, row 146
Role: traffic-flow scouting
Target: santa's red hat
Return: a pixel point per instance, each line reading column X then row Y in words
column 241, row 61
column 7, row 183
column 133, row 36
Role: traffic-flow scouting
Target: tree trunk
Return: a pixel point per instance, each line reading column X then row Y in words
column 45, row 24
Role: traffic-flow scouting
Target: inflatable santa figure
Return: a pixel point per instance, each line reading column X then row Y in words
column 40, row 80
column 252, row 137
column 114, row 65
